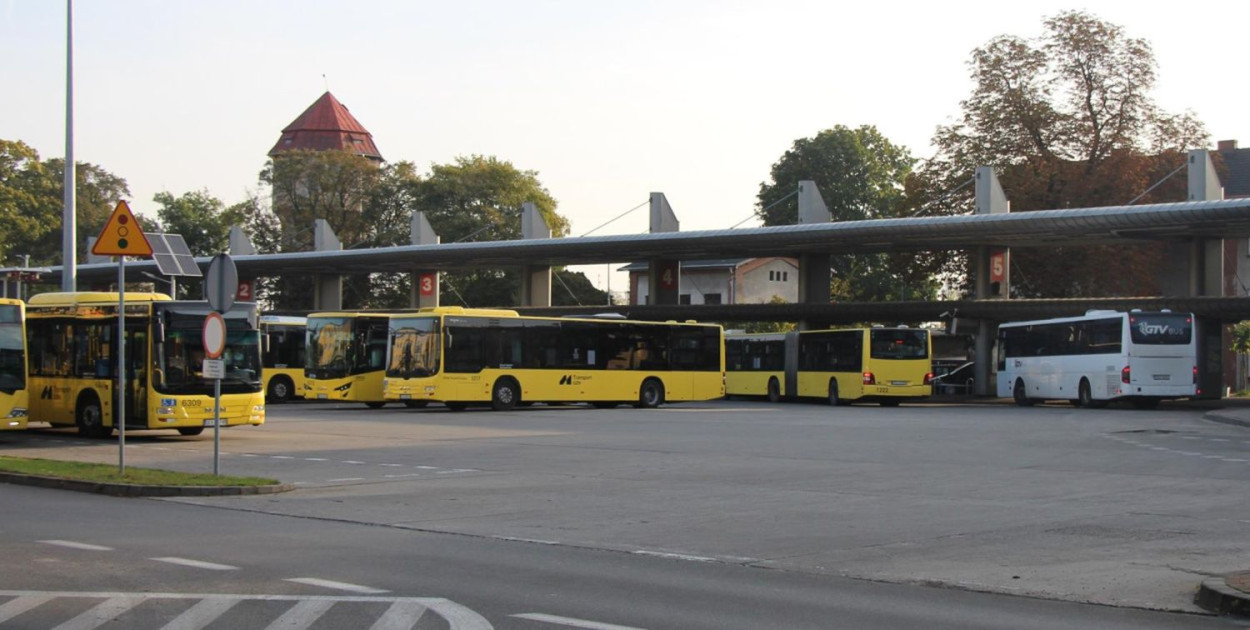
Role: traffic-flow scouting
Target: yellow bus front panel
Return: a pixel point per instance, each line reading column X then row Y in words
column 175, row 412
column 364, row 388
column 13, row 410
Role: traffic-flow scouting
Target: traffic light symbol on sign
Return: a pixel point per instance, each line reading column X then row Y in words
column 121, row 235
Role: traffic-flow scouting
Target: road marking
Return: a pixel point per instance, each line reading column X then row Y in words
column 392, row 465
column 315, row 459
column 281, row 457
column 1220, row 440
column 673, row 556
column 1190, row 437
column 301, row 615
column 249, row 455
column 101, row 614
column 1234, row 459
column 402, row 476
column 402, row 615
column 76, row 545
column 351, row 461
column 342, row 586
column 574, row 623
column 15, row 607
column 204, row 612
column 198, row 564
column 345, row 479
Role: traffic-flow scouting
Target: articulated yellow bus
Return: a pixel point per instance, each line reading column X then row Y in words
column 12, row 364
column 346, row 357
column 885, row 365
column 282, row 359
column 72, row 339
column 461, row 356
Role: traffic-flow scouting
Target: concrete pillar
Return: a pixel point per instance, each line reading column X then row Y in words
column 814, row 273
column 663, row 274
column 424, row 288
column 327, row 287
column 990, row 199
column 535, row 279
column 1206, row 278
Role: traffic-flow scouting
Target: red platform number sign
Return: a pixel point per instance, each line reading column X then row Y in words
column 668, row 275
column 998, row 266
column 244, row 293
column 426, row 283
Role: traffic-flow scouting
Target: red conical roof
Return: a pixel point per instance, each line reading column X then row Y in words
column 326, row 126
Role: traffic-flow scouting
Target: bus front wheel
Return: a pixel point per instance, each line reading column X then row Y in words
column 90, row 418
column 774, row 390
column 1019, row 395
column 191, row 431
column 376, row 404
column 505, row 395
column 833, row 394
column 651, row 394
column 280, row 389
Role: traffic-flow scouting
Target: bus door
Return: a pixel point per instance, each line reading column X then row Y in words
column 137, row 362
column 791, row 388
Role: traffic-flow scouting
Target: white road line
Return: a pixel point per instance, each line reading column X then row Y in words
column 76, row 545
column 392, row 465
column 1234, row 459
column 315, row 459
column 402, row 476
column 1220, row 440
column 345, row 479
column 301, row 615
column 342, row 586
column 1213, row 456
column 402, row 615
column 426, row 467
column 573, row 623
column 204, row 612
column 1159, row 448
column 103, row 613
column 351, row 461
column 281, row 457
column 15, row 607
column 198, row 564
column 1190, row 437
column 249, row 455
column 674, row 556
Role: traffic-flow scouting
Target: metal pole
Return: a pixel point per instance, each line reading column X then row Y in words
column 173, row 287
column 119, row 418
column 69, row 239
column 216, row 425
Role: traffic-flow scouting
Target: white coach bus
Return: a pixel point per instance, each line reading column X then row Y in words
column 1142, row 357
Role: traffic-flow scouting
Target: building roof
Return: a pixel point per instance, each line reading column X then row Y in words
column 327, row 126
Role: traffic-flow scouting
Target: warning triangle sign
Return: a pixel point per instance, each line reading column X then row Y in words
column 122, row 236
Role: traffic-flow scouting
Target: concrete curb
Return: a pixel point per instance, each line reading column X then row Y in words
column 135, row 490
column 1217, row 596
column 1227, row 418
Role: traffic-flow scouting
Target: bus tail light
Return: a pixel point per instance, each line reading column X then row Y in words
column 1195, row 375
column 869, row 379
column 928, row 378
column 1126, row 374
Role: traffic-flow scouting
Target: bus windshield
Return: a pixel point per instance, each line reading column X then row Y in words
column 181, row 361
column 12, row 354
column 1160, row 329
column 899, row 344
column 329, row 347
column 414, row 347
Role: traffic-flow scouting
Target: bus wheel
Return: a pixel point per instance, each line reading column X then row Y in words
column 456, row 406
column 651, row 394
column 377, row 404
column 280, row 389
column 1084, row 398
column 774, row 391
column 190, row 431
column 833, row 393
column 1018, row 394
column 415, row 404
column 90, row 418
column 505, row 395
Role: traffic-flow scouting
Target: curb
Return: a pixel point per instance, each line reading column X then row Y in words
column 1217, row 596
column 135, row 490
column 1226, row 418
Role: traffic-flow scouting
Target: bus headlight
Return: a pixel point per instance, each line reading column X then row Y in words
column 258, row 408
column 18, row 412
column 344, row 387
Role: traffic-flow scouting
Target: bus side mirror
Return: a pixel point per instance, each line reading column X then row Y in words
column 158, row 330
column 264, row 343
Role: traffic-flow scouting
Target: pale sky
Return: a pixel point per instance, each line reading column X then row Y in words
column 607, row 100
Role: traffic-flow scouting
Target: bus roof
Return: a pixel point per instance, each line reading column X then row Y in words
column 289, row 320
column 92, row 297
column 1092, row 314
column 11, row 301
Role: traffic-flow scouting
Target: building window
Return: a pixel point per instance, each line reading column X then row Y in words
column 711, row 298
column 772, row 276
column 785, row 276
column 684, row 298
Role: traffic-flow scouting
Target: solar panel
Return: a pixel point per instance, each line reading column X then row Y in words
column 172, row 255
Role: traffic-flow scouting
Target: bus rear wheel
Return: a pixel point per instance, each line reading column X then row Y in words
column 774, row 390
column 281, row 389
column 376, row 404
column 834, row 401
column 1019, row 395
column 505, row 395
column 90, row 418
column 651, row 394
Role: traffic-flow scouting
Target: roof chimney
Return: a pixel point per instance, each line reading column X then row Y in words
column 1226, row 145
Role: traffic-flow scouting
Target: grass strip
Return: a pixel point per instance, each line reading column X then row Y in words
column 107, row 473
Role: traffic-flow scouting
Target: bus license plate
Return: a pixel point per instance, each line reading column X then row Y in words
column 1162, row 377
column 899, row 383
column 209, row 423
column 405, row 396
column 322, row 396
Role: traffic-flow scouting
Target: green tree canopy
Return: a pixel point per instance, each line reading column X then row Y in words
column 202, row 220
column 1068, row 121
column 860, row 175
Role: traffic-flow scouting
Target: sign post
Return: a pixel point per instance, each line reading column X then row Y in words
column 121, row 237
column 221, row 284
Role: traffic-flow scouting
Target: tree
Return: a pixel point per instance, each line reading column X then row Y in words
column 860, row 175
column 1068, row 122
column 202, row 220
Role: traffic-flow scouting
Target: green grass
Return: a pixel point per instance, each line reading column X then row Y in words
column 108, row 473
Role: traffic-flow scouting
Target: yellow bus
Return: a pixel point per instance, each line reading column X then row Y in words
column 13, row 397
column 283, row 339
column 460, row 356
column 346, row 357
column 883, row 365
column 73, row 363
